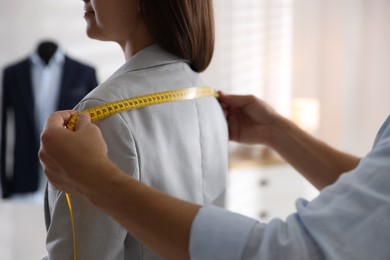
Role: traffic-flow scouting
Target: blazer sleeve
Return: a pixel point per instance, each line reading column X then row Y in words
column 98, row 236
column 92, row 81
column 5, row 182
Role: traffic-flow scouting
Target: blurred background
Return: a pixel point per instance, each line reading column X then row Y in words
column 323, row 63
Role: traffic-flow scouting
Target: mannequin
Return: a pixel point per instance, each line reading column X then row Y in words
column 73, row 80
column 46, row 49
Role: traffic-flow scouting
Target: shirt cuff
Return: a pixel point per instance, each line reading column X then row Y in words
column 219, row 234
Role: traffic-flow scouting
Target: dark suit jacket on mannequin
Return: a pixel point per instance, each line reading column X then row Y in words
column 77, row 80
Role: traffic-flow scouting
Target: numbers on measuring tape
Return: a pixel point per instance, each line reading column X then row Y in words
column 106, row 110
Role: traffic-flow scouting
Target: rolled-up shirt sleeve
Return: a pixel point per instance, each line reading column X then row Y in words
column 219, row 234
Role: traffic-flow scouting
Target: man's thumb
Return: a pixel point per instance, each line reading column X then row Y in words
column 83, row 120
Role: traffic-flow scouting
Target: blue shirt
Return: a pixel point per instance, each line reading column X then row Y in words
column 46, row 81
column 348, row 220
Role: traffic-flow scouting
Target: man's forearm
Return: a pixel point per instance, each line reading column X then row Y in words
column 314, row 159
column 161, row 222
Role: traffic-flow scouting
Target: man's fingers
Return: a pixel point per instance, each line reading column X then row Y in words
column 48, row 164
column 236, row 100
column 82, row 121
column 59, row 119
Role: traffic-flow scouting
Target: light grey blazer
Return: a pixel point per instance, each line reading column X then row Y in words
column 179, row 148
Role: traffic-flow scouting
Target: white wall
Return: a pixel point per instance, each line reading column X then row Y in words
column 342, row 57
column 22, row 231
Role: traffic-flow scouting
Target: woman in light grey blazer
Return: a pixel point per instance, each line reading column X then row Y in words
column 179, row 148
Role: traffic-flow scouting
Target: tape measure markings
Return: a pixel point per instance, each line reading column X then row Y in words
column 106, row 110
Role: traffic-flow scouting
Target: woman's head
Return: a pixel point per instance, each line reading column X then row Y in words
column 182, row 27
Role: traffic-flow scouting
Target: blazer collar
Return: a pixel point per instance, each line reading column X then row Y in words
column 151, row 56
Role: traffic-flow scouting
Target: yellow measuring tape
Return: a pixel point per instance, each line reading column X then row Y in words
column 106, row 110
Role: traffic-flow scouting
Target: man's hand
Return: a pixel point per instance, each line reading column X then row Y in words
column 249, row 119
column 69, row 158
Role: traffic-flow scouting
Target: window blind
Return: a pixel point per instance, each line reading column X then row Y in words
column 254, row 48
